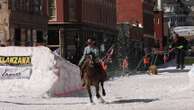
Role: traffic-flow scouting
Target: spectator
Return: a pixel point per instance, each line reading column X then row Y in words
column 179, row 46
column 146, row 61
column 125, row 64
column 165, row 58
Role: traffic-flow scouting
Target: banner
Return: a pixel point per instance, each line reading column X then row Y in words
column 15, row 60
column 15, row 67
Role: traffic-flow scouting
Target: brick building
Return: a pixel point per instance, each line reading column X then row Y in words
column 130, row 26
column 71, row 22
column 148, row 23
column 158, row 25
column 23, row 22
column 129, row 11
column 138, row 13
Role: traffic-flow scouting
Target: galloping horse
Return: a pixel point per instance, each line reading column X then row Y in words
column 93, row 76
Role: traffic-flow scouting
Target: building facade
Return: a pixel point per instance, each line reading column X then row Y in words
column 130, row 11
column 23, row 22
column 138, row 14
column 192, row 13
column 158, row 25
column 71, row 22
column 148, row 23
column 130, row 26
column 176, row 13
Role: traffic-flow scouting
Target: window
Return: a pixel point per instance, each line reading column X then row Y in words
column 53, row 37
column 158, row 20
column 16, row 4
column 52, row 9
column 3, row 4
column 27, row 5
column 72, row 10
column 40, row 37
column 37, row 6
column 23, row 5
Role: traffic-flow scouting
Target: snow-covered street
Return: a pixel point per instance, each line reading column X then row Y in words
column 170, row 90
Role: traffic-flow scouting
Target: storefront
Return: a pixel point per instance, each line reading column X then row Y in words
column 70, row 40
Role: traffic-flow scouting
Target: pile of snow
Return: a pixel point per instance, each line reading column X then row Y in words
column 50, row 74
column 68, row 77
column 191, row 74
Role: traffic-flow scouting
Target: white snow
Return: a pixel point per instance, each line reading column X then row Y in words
column 68, row 77
column 139, row 92
column 51, row 74
column 172, row 89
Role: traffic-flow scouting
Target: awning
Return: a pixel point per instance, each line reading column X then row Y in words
column 186, row 31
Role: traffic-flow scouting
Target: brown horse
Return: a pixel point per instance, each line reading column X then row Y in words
column 93, row 76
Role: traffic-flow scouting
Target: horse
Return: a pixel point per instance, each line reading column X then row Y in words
column 93, row 76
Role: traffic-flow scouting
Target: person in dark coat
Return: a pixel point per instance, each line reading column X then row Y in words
column 180, row 46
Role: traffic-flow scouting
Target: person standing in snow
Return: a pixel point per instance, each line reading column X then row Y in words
column 146, row 61
column 179, row 46
column 125, row 64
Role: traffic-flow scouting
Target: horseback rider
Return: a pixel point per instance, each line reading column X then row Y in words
column 90, row 49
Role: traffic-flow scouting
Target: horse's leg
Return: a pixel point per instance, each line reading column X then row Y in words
column 100, row 99
column 97, row 91
column 103, row 90
column 90, row 93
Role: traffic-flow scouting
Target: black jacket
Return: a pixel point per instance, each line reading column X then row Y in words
column 181, row 41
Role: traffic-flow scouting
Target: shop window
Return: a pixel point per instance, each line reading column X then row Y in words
column 40, row 37
column 53, row 37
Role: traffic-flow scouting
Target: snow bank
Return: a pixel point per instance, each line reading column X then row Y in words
column 191, row 77
column 68, row 77
column 47, row 73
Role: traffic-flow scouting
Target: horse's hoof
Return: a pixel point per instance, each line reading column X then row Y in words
column 91, row 103
column 83, row 84
column 101, row 100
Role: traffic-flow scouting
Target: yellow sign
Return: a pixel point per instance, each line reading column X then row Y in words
column 15, row 60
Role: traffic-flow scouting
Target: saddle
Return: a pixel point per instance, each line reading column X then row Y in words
column 98, row 65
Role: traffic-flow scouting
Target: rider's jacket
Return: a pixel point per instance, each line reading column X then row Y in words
column 89, row 50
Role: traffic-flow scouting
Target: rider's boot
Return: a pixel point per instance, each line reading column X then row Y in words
column 82, row 80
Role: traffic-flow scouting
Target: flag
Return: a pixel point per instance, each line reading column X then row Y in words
column 108, row 56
